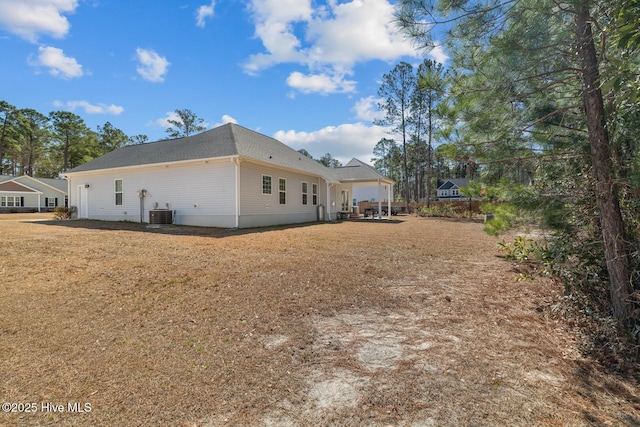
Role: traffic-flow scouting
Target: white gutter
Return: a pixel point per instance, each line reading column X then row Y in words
column 148, row 165
column 328, row 214
column 236, row 162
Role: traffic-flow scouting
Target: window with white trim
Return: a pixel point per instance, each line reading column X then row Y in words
column 282, row 191
column 10, row 201
column 51, row 202
column 118, row 192
column 266, row 184
column 314, row 194
column 305, row 188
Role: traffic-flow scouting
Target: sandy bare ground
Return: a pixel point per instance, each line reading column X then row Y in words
column 415, row 322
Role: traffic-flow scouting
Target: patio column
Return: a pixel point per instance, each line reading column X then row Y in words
column 389, row 199
column 379, row 200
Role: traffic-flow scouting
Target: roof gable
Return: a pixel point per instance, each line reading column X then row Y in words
column 447, row 184
column 14, row 186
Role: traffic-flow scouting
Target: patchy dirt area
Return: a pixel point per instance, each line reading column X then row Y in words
column 412, row 322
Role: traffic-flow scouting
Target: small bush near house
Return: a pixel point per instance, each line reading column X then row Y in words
column 62, row 213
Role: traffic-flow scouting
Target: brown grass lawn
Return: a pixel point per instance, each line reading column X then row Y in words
column 416, row 322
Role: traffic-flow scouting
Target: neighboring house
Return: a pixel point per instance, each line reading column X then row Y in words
column 228, row 177
column 28, row 194
column 450, row 188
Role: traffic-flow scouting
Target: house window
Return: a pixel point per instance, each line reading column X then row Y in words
column 266, row 184
column 455, row 193
column 51, row 202
column 305, row 187
column 314, row 193
column 118, row 192
column 282, row 187
column 10, row 201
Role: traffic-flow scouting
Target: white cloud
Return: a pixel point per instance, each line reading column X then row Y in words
column 225, row 119
column 59, row 65
column 274, row 23
column 171, row 115
column 152, row 66
column 367, row 109
column 343, row 142
column 320, row 83
column 204, row 12
column 327, row 40
column 439, row 55
column 31, row 18
column 90, row 108
column 360, row 30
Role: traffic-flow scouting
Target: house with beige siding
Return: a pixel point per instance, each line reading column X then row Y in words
column 229, row 177
column 29, row 194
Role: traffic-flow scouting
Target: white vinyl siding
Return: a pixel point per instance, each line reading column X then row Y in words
column 257, row 209
column 200, row 193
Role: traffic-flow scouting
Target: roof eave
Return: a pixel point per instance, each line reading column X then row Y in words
column 147, row 165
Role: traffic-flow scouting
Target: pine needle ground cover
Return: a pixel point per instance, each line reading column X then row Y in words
column 411, row 322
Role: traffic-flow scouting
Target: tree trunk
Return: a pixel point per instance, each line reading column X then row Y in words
column 429, row 151
column 2, row 138
column 405, row 165
column 606, row 192
column 65, row 161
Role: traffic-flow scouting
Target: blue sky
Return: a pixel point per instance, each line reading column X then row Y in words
column 305, row 72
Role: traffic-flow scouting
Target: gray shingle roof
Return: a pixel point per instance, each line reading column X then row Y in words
column 224, row 141
column 357, row 170
column 446, row 184
column 58, row 184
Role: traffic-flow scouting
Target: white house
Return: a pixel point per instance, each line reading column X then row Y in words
column 228, row 177
column 27, row 194
column 450, row 188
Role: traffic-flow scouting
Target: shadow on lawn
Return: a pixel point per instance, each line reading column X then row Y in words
column 621, row 386
column 451, row 219
column 189, row 230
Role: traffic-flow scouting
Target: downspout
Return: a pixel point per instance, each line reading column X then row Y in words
column 236, row 162
column 328, row 215
column 141, row 194
column 389, row 199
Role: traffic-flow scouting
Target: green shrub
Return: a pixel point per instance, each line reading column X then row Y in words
column 521, row 249
column 505, row 216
